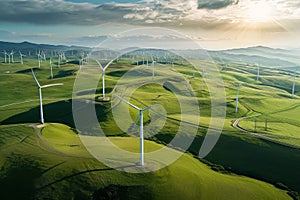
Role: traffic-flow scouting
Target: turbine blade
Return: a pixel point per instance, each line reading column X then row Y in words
column 130, row 104
column 150, row 107
column 136, row 120
column 37, row 82
column 51, row 85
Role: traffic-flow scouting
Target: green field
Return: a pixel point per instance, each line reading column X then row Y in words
column 57, row 161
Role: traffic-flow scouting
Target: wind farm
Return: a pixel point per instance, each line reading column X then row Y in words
column 62, row 163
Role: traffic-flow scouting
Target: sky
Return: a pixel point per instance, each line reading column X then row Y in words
column 213, row 24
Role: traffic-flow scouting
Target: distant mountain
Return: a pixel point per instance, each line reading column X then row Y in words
column 285, row 58
column 263, row 55
column 27, row 46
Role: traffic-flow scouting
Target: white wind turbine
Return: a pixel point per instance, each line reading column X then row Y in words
column 187, row 84
column 153, row 65
column 44, row 55
column 8, row 58
column 258, row 73
column 80, row 63
column 139, row 118
column 40, row 94
column 147, row 63
column 51, row 70
column 39, row 59
column 12, row 56
column 237, row 98
column 294, row 84
column 21, row 57
column 202, row 80
column 103, row 76
column 5, row 54
column 58, row 60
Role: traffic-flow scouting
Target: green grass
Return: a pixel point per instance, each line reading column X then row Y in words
column 42, row 170
column 270, row 97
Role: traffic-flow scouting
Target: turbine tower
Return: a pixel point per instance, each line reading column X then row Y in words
column 140, row 117
column 187, row 84
column 51, row 69
column 293, row 88
column 202, row 80
column 237, row 98
column 58, row 60
column 21, row 57
column 80, row 63
column 39, row 59
column 12, row 56
column 147, row 62
column 8, row 58
column 153, row 64
column 5, row 54
column 258, row 73
column 40, row 87
column 103, row 76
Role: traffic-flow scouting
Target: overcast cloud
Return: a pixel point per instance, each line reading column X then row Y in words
column 216, row 4
column 210, row 13
column 192, row 16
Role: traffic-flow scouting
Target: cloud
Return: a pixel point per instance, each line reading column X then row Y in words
column 188, row 14
column 60, row 12
column 215, row 4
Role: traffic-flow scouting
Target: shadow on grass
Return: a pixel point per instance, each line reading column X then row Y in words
column 65, row 73
column 251, row 157
column 118, row 73
column 74, row 62
column 26, row 71
column 98, row 91
column 17, row 177
column 58, row 112
column 258, row 159
column 248, row 156
column 113, row 192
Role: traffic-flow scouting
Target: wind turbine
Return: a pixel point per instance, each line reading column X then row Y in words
column 143, row 59
column 40, row 94
column 8, row 58
column 139, row 117
column 12, row 56
column 202, row 80
column 21, row 57
column 58, row 60
column 237, row 98
column 187, row 84
column 80, row 63
column 103, row 76
column 294, row 84
column 44, row 55
column 153, row 64
column 5, row 54
column 51, row 70
column 258, row 73
column 147, row 63
column 39, row 59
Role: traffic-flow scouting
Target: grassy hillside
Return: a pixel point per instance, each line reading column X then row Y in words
column 269, row 98
column 58, row 162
